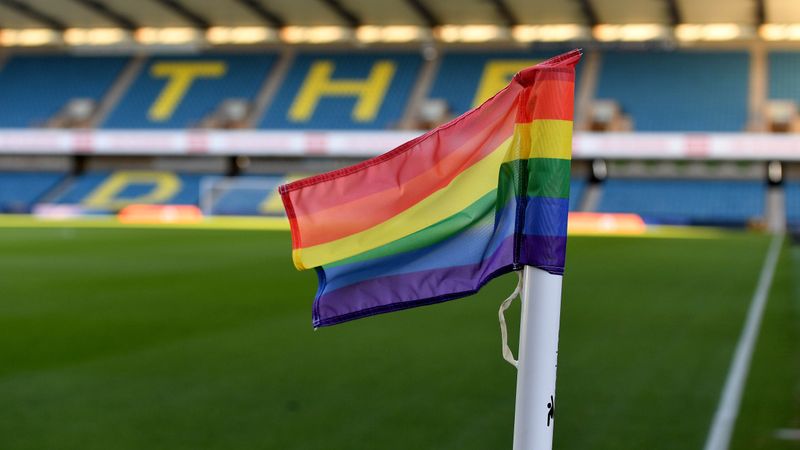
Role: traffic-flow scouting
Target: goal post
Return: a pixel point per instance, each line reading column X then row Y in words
column 242, row 195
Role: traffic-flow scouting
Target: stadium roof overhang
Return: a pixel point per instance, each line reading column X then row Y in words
column 225, row 22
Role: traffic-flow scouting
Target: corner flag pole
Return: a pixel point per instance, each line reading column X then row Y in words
column 538, row 359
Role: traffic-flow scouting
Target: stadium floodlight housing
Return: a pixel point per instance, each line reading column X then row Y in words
column 29, row 37
column 549, row 33
column 780, row 32
column 240, row 35
column 633, row 32
column 167, row 36
column 710, row 32
column 315, row 35
column 95, row 36
column 471, row 33
column 369, row 34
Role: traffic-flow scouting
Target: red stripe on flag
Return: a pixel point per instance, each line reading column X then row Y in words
column 547, row 100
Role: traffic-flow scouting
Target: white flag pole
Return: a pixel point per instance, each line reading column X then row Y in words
column 538, row 358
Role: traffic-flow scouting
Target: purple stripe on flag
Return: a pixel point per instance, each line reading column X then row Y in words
column 545, row 252
column 395, row 292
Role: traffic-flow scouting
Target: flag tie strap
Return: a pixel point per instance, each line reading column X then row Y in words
column 508, row 355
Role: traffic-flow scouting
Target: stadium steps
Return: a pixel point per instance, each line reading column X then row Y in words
column 782, row 68
column 272, row 83
column 54, row 193
column 425, row 79
column 757, row 88
column 591, row 197
column 775, row 209
column 121, row 86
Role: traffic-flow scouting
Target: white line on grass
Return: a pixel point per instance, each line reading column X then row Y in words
column 724, row 419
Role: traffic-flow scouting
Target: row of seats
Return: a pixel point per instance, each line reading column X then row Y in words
column 707, row 202
column 19, row 191
column 662, row 91
column 108, row 192
column 680, row 91
column 665, row 201
column 793, row 203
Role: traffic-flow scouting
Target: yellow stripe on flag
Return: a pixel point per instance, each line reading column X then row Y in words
column 544, row 138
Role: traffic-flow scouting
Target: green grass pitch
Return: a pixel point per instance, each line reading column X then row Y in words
column 175, row 339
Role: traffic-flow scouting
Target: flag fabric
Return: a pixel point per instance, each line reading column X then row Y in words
column 439, row 216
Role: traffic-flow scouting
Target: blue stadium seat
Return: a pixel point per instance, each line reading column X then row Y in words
column 34, row 88
column 678, row 91
column 344, row 91
column 110, row 191
column 179, row 91
column 576, row 190
column 465, row 79
column 792, row 190
column 783, row 80
column 686, row 201
column 19, row 191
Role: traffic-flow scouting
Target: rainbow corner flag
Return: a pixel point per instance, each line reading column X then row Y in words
column 439, row 216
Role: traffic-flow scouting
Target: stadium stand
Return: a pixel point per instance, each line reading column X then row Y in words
column 366, row 90
column 19, row 191
column 104, row 191
column 344, row 91
column 35, row 88
column 704, row 202
column 180, row 91
column 678, row 91
column 371, row 91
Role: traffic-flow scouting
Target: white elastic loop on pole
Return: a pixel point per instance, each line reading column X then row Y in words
column 508, row 355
